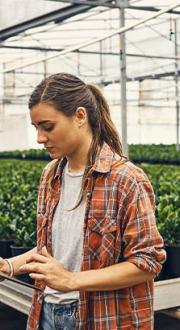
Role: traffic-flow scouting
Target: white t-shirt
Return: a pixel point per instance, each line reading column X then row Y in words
column 67, row 233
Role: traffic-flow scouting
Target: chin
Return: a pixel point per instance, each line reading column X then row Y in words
column 55, row 155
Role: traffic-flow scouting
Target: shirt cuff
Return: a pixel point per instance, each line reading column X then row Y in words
column 146, row 264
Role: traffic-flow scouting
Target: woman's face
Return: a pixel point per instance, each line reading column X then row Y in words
column 59, row 134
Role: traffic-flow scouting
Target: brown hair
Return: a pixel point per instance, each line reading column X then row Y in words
column 67, row 92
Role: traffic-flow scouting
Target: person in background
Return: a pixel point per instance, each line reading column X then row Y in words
column 98, row 247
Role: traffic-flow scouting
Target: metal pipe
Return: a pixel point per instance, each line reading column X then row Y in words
column 123, row 84
column 89, row 52
column 176, row 76
column 112, row 5
column 91, row 42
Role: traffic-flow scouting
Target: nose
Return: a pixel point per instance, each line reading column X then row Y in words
column 41, row 137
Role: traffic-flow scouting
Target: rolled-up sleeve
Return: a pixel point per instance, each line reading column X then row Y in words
column 142, row 243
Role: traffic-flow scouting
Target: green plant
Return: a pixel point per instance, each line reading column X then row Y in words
column 170, row 230
column 165, row 180
column 149, row 153
column 168, row 219
column 5, row 231
column 19, row 183
column 154, row 153
column 24, row 232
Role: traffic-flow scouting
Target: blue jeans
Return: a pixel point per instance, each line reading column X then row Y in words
column 58, row 316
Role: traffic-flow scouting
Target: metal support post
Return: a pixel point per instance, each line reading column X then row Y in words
column 123, row 83
column 101, row 59
column 176, row 84
column 45, row 68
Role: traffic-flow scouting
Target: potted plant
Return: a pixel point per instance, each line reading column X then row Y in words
column 25, row 235
column 6, row 235
column 25, row 240
column 169, row 228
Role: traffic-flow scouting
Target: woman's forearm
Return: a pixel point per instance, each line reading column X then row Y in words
column 114, row 277
column 21, row 260
column 45, row 267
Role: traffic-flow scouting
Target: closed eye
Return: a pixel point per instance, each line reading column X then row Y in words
column 48, row 128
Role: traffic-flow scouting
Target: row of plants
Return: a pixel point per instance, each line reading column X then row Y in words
column 154, row 153
column 31, row 154
column 19, row 182
column 18, row 203
column 165, row 180
column 166, row 183
column 18, row 200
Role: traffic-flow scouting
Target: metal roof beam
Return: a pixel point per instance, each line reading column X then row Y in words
column 156, row 75
column 92, row 42
column 96, row 3
column 115, row 4
column 54, row 16
column 144, row 77
column 64, row 13
column 47, row 49
column 154, row 9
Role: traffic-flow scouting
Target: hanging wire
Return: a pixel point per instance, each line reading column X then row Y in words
column 78, row 62
column 171, row 32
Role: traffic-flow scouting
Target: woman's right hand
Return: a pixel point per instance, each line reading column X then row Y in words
column 4, row 266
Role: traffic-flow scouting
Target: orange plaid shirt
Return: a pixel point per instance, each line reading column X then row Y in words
column 119, row 226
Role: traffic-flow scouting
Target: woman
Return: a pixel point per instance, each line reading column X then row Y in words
column 98, row 247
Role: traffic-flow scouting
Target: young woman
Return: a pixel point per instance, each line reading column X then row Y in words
column 98, row 247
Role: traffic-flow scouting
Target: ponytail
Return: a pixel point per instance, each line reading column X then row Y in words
column 107, row 130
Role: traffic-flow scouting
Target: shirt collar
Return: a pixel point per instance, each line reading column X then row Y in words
column 104, row 159
column 102, row 164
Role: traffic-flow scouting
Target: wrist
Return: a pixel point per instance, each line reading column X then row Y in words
column 71, row 282
column 10, row 270
column 75, row 281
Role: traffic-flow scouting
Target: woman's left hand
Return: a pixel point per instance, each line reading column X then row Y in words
column 44, row 267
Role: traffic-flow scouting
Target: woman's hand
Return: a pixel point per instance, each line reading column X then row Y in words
column 4, row 266
column 44, row 267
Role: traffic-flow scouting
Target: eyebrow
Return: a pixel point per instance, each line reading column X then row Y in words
column 41, row 122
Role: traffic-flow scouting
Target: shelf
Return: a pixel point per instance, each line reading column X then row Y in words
column 19, row 297
column 166, row 294
column 16, row 296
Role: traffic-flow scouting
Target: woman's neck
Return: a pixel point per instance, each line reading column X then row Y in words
column 78, row 161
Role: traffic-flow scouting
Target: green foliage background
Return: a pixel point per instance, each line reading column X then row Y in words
column 19, row 181
column 166, row 183
column 138, row 153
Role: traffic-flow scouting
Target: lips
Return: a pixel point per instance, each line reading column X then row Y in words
column 49, row 148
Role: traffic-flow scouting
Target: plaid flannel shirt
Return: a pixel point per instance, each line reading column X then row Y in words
column 119, row 225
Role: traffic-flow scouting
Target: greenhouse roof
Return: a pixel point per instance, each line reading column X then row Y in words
column 71, row 35
column 105, row 42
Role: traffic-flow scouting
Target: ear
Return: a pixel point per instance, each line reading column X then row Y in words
column 81, row 116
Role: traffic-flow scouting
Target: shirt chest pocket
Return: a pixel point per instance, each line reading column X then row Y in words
column 101, row 235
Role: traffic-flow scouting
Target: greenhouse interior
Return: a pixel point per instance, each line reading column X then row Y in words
column 130, row 50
